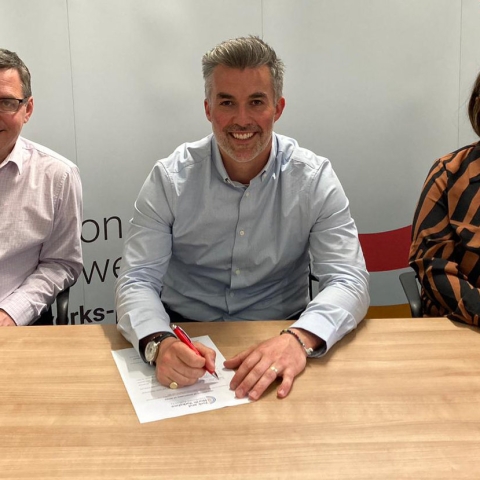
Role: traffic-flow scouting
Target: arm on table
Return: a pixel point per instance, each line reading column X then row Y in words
column 141, row 314
column 341, row 304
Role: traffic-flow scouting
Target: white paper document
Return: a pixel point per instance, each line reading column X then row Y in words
column 153, row 401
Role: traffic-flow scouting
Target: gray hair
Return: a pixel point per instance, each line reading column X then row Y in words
column 9, row 60
column 242, row 53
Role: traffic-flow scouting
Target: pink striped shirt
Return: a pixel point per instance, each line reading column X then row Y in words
column 40, row 229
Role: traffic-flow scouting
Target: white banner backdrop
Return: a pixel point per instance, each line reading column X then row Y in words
column 378, row 87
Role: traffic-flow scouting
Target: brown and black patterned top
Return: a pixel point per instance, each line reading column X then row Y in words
column 445, row 250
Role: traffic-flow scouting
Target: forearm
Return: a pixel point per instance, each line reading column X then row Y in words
column 338, row 265
column 146, row 255
column 333, row 313
column 39, row 290
column 447, row 290
column 140, row 311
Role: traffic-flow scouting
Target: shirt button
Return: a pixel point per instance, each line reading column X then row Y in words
column 237, row 271
column 232, row 294
column 247, row 194
column 242, row 233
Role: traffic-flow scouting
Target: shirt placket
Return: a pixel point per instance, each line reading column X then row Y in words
column 240, row 253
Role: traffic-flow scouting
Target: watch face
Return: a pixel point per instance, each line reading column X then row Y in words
column 151, row 351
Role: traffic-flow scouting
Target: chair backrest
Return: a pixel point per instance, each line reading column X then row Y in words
column 46, row 318
column 412, row 292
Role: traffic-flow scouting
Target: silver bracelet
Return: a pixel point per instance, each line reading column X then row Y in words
column 308, row 351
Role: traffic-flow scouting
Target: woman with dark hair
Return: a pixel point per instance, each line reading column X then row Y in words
column 445, row 249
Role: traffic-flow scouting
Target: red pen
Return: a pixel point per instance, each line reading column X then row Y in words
column 184, row 338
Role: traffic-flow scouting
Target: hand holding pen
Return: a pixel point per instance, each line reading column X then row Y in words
column 185, row 339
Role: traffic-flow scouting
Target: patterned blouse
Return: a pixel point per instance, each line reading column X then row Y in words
column 445, row 249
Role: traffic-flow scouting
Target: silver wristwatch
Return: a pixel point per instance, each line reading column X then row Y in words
column 151, row 349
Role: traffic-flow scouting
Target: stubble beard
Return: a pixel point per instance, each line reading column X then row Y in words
column 242, row 153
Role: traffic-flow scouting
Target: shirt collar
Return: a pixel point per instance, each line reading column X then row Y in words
column 261, row 177
column 15, row 157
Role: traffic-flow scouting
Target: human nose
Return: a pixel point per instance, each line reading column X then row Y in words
column 242, row 115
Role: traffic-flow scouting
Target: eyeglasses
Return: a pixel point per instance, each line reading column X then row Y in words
column 11, row 105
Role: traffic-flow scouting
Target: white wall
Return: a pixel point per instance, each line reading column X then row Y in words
column 378, row 87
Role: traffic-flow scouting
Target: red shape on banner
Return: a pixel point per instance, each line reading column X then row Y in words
column 386, row 251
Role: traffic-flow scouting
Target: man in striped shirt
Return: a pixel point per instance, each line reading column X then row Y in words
column 40, row 208
column 445, row 249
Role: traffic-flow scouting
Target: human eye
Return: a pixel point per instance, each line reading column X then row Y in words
column 257, row 102
column 8, row 103
column 226, row 103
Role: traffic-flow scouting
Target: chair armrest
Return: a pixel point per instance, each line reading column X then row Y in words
column 311, row 280
column 62, row 307
column 410, row 287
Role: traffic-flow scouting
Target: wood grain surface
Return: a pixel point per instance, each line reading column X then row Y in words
column 396, row 399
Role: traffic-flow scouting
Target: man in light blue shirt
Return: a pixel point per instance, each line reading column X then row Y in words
column 225, row 229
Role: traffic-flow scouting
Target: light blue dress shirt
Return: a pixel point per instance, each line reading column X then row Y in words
column 215, row 249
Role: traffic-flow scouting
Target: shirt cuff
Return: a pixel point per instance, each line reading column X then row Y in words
column 19, row 308
column 322, row 329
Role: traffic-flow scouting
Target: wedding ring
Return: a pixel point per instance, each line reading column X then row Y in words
column 173, row 385
column 274, row 369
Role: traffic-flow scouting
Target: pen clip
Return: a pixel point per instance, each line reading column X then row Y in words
column 178, row 327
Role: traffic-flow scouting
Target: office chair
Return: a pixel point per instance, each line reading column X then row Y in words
column 412, row 292
column 46, row 318
column 311, row 280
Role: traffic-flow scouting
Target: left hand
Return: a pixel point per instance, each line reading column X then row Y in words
column 256, row 367
column 6, row 320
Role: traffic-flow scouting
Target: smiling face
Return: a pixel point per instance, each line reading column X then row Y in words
column 242, row 109
column 11, row 123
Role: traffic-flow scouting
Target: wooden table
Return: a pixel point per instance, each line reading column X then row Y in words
column 396, row 399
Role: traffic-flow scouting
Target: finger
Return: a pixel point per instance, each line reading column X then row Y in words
column 245, row 368
column 180, row 364
column 238, row 359
column 268, row 377
column 285, row 386
column 208, row 354
column 253, row 376
column 189, row 357
column 183, row 376
column 168, row 373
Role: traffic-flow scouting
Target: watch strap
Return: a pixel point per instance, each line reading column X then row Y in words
column 157, row 337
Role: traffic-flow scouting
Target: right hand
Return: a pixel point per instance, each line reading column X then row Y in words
column 177, row 363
